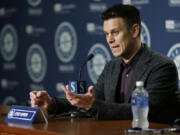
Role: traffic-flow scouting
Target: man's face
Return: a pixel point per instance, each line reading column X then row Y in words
column 117, row 36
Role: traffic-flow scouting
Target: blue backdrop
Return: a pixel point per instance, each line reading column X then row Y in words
column 44, row 42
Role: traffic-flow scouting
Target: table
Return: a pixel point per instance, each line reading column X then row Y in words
column 68, row 126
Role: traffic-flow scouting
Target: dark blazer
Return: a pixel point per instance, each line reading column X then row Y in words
column 160, row 80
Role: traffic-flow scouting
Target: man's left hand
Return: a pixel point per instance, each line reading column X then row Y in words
column 80, row 100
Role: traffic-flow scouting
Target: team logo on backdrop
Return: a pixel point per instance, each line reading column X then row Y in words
column 34, row 3
column 94, row 28
column 9, row 100
column 174, row 54
column 63, row 8
column 58, row 86
column 7, row 11
column 34, row 30
column 36, row 63
column 8, row 42
column 145, row 35
column 126, row 2
column 172, row 25
column 97, row 7
column 65, row 42
column 6, row 84
column 135, row 2
column 58, row 7
column 2, row 11
column 174, row 3
column 96, row 65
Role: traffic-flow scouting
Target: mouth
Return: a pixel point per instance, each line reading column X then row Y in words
column 114, row 47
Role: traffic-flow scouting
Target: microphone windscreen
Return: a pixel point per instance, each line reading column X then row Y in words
column 90, row 56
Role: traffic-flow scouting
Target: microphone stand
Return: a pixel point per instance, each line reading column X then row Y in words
column 90, row 56
column 81, row 112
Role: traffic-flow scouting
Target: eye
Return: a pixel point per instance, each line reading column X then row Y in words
column 115, row 33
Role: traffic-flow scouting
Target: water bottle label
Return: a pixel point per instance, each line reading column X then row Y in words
column 139, row 101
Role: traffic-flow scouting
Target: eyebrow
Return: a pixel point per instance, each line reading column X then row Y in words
column 114, row 29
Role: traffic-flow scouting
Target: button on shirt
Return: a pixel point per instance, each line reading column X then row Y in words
column 126, row 74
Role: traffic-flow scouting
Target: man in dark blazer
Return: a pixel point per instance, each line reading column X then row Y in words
column 110, row 98
column 160, row 80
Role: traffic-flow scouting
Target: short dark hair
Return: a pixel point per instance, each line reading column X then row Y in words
column 129, row 13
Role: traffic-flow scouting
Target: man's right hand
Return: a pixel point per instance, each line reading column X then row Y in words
column 40, row 99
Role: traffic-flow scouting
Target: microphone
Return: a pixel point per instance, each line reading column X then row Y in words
column 79, row 87
column 90, row 56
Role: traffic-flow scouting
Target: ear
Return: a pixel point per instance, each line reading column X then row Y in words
column 135, row 29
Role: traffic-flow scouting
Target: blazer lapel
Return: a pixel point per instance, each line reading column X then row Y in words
column 139, row 71
column 114, row 80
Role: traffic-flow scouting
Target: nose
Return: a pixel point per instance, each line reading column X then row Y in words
column 110, row 38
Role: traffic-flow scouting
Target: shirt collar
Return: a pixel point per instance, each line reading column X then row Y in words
column 134, row 59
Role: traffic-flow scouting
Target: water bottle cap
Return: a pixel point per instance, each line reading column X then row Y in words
column 139, row 83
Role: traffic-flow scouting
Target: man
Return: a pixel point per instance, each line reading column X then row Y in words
column 110, row 98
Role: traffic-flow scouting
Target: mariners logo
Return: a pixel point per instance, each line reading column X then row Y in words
column 174, row 54
column 9, row 100
column 145, row 35
column 65, row 42
column 34, row 3
column 8, row 42
column 127, row 2
column 96, row 65
column 36, row 63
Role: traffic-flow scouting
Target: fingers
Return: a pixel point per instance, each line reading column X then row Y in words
column 79, row 100
column 34, row 104
column 67, row 87
column 75, row 102
column 39, row 98
column 69, row 95
column 38, row 94
column 33, row 94
column 41, row 93
column 64, row 89
column 90, row 89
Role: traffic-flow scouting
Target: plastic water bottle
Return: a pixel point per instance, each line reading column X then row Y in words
column 140, row 106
